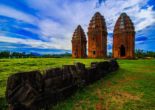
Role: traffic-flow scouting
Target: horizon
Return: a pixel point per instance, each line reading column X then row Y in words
column 47, row 27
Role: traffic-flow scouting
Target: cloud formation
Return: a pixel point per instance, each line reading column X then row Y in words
column 52, row 22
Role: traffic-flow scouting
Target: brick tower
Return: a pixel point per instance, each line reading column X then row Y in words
column 79, row 43
column 97, row 37
column 124, row 38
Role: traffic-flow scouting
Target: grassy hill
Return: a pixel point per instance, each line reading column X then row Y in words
column 132, row 87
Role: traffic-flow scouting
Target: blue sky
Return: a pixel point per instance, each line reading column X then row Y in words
column 46, row 26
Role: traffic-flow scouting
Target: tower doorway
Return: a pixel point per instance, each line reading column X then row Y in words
column 122, row 51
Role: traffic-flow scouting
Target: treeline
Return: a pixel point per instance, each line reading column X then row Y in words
column 57, row 55
column 8, row 54
column 144, row 54
column 139, row 54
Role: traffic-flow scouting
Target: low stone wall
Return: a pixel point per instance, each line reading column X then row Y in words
column 34, row 91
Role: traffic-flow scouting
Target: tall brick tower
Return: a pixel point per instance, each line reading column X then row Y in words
column 79, row 43
column 97, row 37
column 124, row 38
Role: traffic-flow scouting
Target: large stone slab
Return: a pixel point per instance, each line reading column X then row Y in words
column 23, row 89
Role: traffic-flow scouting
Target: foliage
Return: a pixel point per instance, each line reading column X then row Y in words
column 144, row 54
column 56, row 55
column 8, row 54
column 4, row 54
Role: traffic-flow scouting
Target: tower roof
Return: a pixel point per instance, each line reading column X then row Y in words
column 97, row 14
column 79, row 33
column 97, row 21
column 124, row 24
column 123, row 14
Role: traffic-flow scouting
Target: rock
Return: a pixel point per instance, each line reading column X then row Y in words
column 91, row 75
column 113, row 65
column 33, row 91
column 53, row 79
column 23, row 89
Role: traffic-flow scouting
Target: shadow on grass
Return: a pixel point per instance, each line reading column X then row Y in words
column 3, row 104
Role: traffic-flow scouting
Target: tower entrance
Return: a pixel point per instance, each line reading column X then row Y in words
column 122, row 51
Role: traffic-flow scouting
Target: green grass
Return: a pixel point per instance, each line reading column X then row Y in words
column 132, row 87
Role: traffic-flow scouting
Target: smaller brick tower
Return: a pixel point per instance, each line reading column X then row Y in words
column 97, row 37
column 124, row 38
column 79, row 43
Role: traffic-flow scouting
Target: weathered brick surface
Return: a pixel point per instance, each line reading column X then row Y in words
column 124, row 38
column 32, row 91
column 79, row 43
column 97, row 37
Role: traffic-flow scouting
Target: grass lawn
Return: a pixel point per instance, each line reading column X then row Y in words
column 132, row 87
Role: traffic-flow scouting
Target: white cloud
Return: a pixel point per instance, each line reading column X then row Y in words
column 31, row 42
column 146, row 18
column 59, row 18
column 72, row 14
column 16, row 14
column 142, row 17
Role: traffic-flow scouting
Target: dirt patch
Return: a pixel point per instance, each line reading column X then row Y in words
column 99, row 94
column 123, row 96
column 127, row 79
column 115, row 99
column 108, row 84
column 119, row 99
column 99, row 106
column 78, row 105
